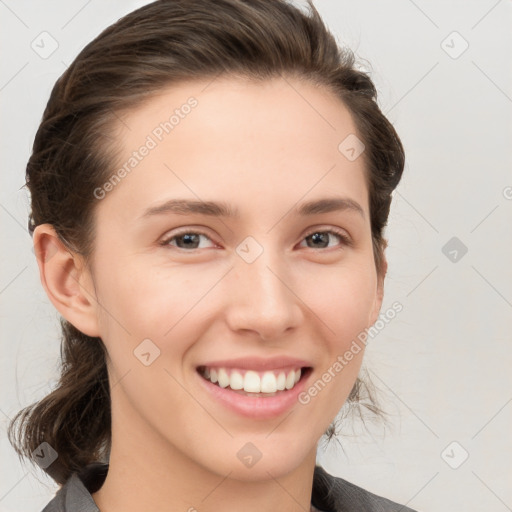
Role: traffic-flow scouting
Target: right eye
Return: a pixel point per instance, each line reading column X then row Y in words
column 185, row 239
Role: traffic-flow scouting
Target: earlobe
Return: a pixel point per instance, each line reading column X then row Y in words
column 66, row 280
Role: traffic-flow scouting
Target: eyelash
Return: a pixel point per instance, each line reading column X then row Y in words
column 345, row 240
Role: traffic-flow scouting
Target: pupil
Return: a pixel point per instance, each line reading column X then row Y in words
column 188, row 238
column 317, row 237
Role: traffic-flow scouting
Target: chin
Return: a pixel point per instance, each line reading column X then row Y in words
column 250, row 463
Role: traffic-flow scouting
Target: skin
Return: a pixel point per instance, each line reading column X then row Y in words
column 263, row 148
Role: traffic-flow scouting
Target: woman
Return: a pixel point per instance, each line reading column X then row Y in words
column 209, row 189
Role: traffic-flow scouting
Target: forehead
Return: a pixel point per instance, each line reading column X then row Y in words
column 237, row 98
column 232, row 139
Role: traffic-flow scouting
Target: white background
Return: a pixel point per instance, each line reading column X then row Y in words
column 443, row 364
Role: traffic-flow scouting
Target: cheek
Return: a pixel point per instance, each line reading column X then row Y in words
column 147, row 299
column 140, row 303
column 343, row 306
column 343, row 299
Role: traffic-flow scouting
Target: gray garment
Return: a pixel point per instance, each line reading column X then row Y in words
column 330, row 494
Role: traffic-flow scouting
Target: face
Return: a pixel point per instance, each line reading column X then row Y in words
column 274, row 292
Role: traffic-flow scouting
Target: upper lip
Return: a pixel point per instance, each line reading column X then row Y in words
column 259, row 363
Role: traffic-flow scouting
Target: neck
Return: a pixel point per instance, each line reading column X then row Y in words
column 146, row 472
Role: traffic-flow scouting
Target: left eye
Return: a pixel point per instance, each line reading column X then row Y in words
column 321, row 237
column 191, row 239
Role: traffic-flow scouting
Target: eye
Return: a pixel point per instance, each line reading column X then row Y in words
column 320, row 238
column 191, row 239
column 185, row 239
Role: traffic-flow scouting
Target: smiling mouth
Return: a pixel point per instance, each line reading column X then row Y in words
column 254, row 383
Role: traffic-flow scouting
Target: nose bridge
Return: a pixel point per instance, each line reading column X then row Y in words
column 262, row 298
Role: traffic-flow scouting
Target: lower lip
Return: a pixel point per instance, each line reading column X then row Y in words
column 253, row 406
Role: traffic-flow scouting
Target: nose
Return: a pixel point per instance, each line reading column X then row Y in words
column 262, row 298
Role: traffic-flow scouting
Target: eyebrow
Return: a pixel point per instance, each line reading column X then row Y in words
column 220, row 209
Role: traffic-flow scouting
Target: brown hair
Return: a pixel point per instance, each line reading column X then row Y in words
column 153, row 47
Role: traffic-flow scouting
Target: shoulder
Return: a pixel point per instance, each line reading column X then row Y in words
column 334, row 494
column 76, row 494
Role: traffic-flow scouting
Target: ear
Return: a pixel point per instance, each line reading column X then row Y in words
column 66, row 280
column 379, row 293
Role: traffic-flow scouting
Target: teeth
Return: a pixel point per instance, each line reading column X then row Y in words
column 290, row 380
column 253, row 382
column 281, row 381
column 223, row 378
column 268, row 383
column 236, row 381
